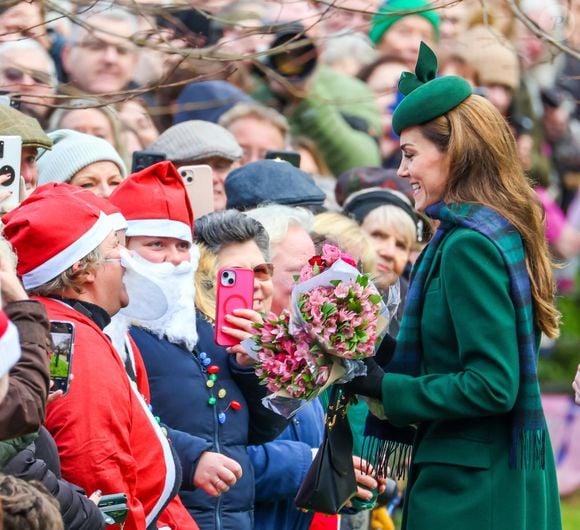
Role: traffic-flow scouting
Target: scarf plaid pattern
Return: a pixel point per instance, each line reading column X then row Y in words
column 528, row 423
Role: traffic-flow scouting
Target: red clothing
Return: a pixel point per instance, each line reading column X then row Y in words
column 106, row 437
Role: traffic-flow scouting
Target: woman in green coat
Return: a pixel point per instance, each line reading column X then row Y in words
column 459, row 391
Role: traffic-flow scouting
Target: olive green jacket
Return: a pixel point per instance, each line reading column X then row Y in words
column 460, row 478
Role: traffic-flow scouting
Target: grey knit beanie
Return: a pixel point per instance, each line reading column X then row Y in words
column 196, row 140
column 71, row 152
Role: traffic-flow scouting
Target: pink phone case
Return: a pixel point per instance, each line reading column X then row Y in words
column 235, row 290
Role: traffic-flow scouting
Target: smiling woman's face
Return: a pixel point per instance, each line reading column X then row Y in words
column 425, row 166
column 248, row 255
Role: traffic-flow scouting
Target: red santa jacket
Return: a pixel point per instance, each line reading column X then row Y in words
column 107, row 439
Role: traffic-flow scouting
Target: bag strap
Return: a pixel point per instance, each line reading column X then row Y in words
column 337, row 407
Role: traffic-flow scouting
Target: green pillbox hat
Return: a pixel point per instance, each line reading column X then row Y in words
column 426, row 96
column 392, row 11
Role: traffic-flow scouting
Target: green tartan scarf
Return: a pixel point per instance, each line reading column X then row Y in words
column 386, row 444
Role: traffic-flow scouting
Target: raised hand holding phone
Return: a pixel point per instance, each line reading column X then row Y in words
column 235, row 291
column 62, row 334
column 10, row 155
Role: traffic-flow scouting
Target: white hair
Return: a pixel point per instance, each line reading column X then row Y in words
column 111, row 12
column 277, row 220
column 30, row 44
column 350, row 45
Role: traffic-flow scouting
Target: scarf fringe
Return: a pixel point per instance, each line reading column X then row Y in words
column 386, row 457
column 528, row 449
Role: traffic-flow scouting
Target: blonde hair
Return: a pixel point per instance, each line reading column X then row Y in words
column 205, row 275
column 485, row 169
column 70, row 279
column 395, row 218
column 349, row 236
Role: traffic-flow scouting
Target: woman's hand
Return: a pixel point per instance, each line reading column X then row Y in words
column 365, row 479
column 11, row 288
column 243, row 321
column 576, row 385
column 216, row 473
column 5, row 194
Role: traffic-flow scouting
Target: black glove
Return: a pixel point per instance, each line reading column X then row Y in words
column 370, row 384
column 385, row 350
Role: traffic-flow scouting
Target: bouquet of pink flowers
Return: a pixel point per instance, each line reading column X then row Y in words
column 341, row 313
column 290, row 365
column 337, row 316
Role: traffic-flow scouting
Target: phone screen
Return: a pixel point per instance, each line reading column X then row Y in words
column 144, row 159
column 62, row 334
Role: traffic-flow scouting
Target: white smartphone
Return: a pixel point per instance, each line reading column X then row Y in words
column 10, row 154
column 198, row 182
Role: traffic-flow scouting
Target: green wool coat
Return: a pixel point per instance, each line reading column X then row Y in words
column 460, row 478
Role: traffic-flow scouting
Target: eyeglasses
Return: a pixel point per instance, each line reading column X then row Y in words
column 16, row 75
column 112, row 259
column 263, row 272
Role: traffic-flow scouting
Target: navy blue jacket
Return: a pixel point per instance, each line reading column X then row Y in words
column 181, row 398
column 280, row 467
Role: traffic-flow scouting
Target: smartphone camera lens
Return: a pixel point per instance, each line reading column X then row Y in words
column 228, row 278
column 8, row 170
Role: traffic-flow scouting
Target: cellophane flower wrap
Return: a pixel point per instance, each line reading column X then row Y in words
column 337, row 318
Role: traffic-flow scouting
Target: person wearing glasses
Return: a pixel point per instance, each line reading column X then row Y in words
column 100, row 57
column 105, row 437
column 28, row 72
column 210, row 404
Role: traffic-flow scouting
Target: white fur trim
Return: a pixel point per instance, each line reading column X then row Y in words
column 9, row 348
column 118, row 221
column 88, row 242
column 167, row 458
column 160, row 228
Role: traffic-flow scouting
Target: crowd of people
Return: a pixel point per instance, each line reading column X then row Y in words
column 438, row 145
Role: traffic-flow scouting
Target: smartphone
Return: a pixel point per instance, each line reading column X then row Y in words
column 62, row 334
column 10, row 100
column 143, row 159
column 112, row 499
column 114, row 508
column 288, row 156
column 198, row 182
column 10, row 155
column 235, row 290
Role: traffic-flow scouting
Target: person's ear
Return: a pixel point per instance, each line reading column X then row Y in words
column 66, row 58
column 84, row 274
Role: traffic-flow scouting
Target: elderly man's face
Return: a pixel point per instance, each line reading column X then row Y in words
column 102, row 63
column 28, row 72
column 109, row 291
column 290, row 255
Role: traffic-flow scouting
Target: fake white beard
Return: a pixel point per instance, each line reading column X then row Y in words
column 161, row 297
column 117, row 331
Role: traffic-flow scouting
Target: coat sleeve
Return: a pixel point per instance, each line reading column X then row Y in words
column 341, row 146
column 23, row 409
column 78, row 512
column 265, row 425
column 279, row 468
column 189, row 448
column 475, row 289
column 92, row 424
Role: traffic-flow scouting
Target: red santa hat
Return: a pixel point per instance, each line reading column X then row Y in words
column 155, row 203
column 113, row 213
column 9, row 344
column 50, row 232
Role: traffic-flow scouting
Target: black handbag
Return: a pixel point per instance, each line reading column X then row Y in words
column 330, row 482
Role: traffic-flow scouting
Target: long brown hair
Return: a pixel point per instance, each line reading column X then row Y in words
column 485, row 169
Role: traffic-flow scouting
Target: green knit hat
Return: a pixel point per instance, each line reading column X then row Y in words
column 426, row 96
column 382, row 20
